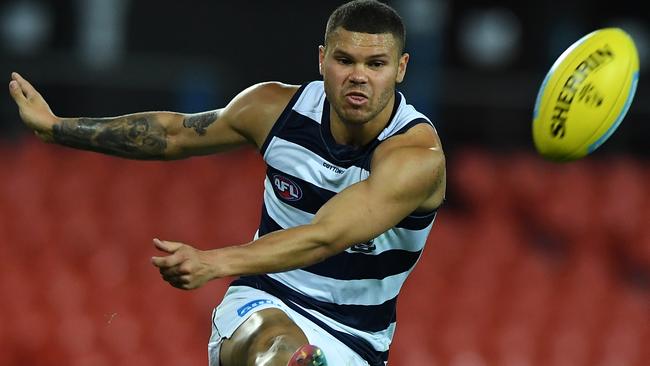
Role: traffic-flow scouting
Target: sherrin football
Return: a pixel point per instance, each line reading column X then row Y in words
column 585, row 95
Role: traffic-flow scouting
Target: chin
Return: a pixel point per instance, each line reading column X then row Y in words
column 357, row 118
column 356, row 115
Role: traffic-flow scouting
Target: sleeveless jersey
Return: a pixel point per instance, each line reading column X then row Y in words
column 353, row 294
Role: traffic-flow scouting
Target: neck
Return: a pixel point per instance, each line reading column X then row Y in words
column 359, row 134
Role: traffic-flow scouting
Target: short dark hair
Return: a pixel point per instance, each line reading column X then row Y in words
column 367, row 16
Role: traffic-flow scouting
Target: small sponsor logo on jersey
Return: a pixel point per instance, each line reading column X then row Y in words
column 333, row 168
column 366, row 247
column 286, row 188
column 252, row 305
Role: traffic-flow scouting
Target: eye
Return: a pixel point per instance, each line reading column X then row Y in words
column 343, row 61
column 376, row 64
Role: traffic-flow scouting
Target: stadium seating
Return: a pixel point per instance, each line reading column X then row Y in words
column 529, row 263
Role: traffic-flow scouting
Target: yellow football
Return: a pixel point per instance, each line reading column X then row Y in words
column 585, row 95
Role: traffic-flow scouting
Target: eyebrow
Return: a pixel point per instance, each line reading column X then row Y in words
column 345, row 54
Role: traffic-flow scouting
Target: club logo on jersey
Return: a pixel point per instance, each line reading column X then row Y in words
column 366, row 247
column 286, row 188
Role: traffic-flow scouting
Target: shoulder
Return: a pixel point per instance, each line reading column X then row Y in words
column 419, row 139
column 273, row 90
column 415, row 161
column 254, row 110
column 263, row 96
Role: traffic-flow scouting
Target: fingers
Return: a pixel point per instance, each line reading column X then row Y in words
column 168, row 261
column 177, row 277
column 20, row 89
column 175, row 259
column 177, row 270
column 16, row 92
column 167, row 246
column 182, row 283
column 26, row 88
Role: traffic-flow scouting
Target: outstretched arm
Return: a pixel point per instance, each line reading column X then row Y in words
column 157, row 135
column 403, row 179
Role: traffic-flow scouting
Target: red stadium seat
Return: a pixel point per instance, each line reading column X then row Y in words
column 95, row 358
column 623, row 193
column 474, row 174
column 521, row 273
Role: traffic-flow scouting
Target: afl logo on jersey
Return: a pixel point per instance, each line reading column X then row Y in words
column 286, row 188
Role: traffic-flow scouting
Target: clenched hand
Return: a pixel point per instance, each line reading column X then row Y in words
column 185, row 267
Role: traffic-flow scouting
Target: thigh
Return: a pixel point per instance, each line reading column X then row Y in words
column 235, row 325
column 241, row 302
column 257, row 334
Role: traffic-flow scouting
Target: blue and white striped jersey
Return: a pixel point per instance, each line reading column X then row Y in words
column 353, row 294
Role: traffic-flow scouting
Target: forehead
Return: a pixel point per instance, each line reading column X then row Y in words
column 358, row 42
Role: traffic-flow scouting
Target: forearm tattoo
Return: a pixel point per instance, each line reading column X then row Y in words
column 200, row 122
column 136, row 137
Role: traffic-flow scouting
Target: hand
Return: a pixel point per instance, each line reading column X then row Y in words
column 186, row 268
column 34, row 111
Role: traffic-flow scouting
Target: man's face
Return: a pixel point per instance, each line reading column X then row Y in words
column 360, row 71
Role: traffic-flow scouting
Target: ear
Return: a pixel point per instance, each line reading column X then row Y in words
column 401, row 67
column 321, row 57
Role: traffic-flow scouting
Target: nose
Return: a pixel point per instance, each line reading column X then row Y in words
column 358, row 75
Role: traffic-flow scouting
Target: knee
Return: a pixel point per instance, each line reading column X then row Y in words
column 276, row 350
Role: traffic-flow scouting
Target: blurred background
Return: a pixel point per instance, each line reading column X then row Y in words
column 529, row 263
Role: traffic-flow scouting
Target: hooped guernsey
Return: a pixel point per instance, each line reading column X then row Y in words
column 351, row 295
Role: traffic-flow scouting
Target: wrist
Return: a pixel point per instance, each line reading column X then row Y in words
column 214, row 260
column 48, row 131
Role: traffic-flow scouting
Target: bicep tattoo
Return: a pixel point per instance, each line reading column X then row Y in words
column 200, row 122
column 136, row 137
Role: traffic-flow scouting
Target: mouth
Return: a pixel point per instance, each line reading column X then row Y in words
column 356, row 98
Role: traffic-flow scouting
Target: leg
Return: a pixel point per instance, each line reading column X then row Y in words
column 267, row 338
